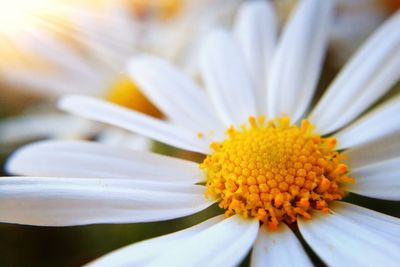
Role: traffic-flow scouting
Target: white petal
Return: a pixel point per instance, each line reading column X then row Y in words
column 379, row 123
column 341, row 241
column 278, row 248
column 383, row 224
column 141, row 253
column 29, row 127
column 50, row 87
column 373, row 70
column 65, row 201
column 371, row 152
column 57, row 52
column 297, row 62
column 379, row 180
column 224, row 244
column 121, row 138
column 131, row 120
column 93, row 160
column 106, row 35
column 225, row 76
column 255, row 29
column 174, row 93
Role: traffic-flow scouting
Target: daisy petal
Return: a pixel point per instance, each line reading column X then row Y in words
column 224, row 244
column 225, row 76
column 278, row 248
column 57, row 52
column 141, row 253
column 65, row 201
column 381, row 122
column 43, row 126
column 93, row 160
column 367, row 77
column 174, row 93
column 372, row 152
column 130, row 120
column 297, row 62
column 342, row 241
column 383, row 224
column 379, row 180
column 41, row 83
column 121, row 138
column 255, row 29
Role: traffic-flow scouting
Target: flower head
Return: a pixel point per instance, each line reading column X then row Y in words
column 275, row 171
column 268, row 158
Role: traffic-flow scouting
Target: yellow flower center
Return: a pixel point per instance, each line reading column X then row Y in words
column 126, row 93
column 164, row 9
column 275, row 171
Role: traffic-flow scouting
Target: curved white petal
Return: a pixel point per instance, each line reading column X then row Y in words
column 342, row 241
column 111, row 37
column 372, row 152
column 66, row 201
column 379, row 180
column 141, row 253
column 224, row 244
column 372, row 71
column 174, row 93
column 57, row 52
column 255, row 29
column 297, row 62
column 93, row 160
column 226, row 78
column 49, row 87
column 278, row 248
column 29, row 127
column 383, row 224
column 130, row 120
column 379, row 123
column 121, row 138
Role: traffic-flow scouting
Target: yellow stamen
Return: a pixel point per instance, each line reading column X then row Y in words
column 124, row 92
column 275, row 171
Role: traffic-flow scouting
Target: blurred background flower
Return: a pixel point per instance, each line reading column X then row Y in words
column 83, row 50
column 50, row 48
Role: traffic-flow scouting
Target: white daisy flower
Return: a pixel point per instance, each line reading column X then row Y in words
column 94, row 64
column 290, row 169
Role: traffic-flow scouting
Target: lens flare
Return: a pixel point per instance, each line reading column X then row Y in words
column 17, row 15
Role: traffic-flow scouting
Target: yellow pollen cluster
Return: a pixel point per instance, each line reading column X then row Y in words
column 275, row 171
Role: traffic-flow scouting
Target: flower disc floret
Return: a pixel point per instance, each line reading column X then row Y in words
column 126, row 93
column 275, row 171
